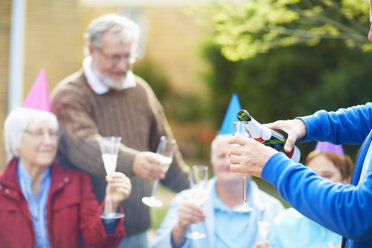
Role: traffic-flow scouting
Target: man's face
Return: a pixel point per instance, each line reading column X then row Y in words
column 370, row 18
column 221, row 164
column 112, row 60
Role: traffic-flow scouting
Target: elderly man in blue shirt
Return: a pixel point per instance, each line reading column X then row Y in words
column 223, row 226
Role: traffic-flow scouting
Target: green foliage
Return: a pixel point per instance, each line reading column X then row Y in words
column 186, row 108
column 179, row 107
column 157, row 216
column 243, row 30
column 288, row 58
column 155, row 77
column 291, row 81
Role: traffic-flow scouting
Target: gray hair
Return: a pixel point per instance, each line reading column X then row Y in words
column 216, row 141
column 17, row 122
column 128, row 30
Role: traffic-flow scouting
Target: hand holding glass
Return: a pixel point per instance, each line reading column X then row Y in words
column 239, row 129
column 109, row 148
column 198, row 194
column 164, row 154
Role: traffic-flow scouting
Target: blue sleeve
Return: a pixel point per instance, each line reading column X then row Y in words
column 164, row 233
column 345, row 126
column 344, row 209
column 110, row 225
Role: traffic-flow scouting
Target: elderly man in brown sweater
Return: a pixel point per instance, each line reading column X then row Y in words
column 106, row 99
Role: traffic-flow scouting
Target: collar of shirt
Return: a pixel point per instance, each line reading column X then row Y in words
column 96, row 84
column 25, row 180
column 36, row 205
column 220, row 206
column 241, row 225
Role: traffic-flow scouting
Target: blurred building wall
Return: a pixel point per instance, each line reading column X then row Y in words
column 54, row 40
column 5, row 12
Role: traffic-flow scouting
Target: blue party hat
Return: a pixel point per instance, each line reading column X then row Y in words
column 230, row 116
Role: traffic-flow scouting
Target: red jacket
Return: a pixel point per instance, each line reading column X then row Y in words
column 73, row 213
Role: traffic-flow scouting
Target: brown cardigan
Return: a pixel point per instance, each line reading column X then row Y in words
column 134, row 114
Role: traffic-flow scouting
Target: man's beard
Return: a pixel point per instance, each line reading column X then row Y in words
column 109, row 82
column 117, row 85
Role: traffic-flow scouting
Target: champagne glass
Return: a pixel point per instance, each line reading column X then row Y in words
column 239, row 129
column 164, row 154
column 109, row 148
column 198, row 194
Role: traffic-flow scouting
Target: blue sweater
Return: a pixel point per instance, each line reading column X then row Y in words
column 344, row 209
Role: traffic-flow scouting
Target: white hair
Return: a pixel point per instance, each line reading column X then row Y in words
column 128, row 30
column 17, row 122
column 216, row 141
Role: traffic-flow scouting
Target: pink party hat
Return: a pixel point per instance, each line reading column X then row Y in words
column 38, row 96
column 329, row 147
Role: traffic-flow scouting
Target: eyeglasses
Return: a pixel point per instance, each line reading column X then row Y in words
column 114, row 59
column 39, row 134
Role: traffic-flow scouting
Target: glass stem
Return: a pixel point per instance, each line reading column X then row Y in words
column 244, row 189
column 155, row 187
column 110, row 207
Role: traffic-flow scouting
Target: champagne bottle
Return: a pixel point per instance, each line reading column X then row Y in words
column 266, row 135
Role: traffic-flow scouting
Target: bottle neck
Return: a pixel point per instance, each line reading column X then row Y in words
column 257, row 130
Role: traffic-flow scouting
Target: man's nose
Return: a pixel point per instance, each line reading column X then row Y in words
column 123, row 64
column 227, row 160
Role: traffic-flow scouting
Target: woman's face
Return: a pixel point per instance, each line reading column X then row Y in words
column 326, row 169
column 39, row 144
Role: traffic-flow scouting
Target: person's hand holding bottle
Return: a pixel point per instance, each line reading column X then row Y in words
column 295, row 129
column 251, row 155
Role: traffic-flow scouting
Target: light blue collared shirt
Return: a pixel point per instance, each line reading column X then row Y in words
column 223, row 227
column 37, row 206
column 233, row 227
column 291, row 229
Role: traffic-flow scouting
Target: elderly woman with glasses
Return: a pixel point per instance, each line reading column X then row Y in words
column 44, row 205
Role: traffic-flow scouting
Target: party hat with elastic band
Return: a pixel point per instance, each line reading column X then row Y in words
column 38, row 96
column 230, row 116
column 329, row 147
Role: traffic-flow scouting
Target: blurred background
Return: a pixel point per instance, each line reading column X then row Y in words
column 283, row 58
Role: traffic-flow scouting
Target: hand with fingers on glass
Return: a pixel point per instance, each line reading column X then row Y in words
column 118, row 187
column 188, row 213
